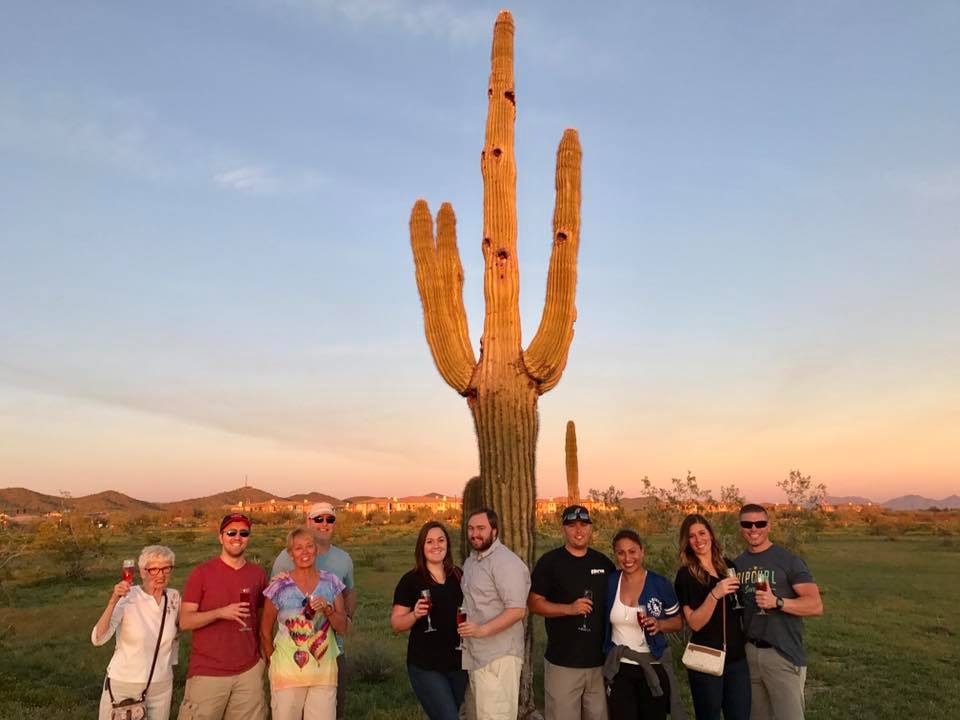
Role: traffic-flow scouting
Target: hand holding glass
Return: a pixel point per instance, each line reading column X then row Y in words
column 732, row 573
column 762, row 586
column 588, row 595
column 425, row 594
column 461, row 619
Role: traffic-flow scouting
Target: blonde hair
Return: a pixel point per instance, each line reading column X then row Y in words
column 299, row 532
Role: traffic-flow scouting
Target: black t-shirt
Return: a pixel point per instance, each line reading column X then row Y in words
column 432, row 651
column 561, row 578
column 693, row 593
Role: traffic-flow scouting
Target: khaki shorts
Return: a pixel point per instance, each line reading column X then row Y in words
column 496, row 688
column 231, row 697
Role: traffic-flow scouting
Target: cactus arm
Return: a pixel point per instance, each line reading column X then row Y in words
column 573, row 468
column 440, row 283
column 501, row 278
column 546, row 356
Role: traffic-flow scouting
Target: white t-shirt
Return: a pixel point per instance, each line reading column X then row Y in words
column 625, row 630
column 138, row 617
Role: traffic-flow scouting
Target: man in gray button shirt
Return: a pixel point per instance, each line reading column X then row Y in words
column 495, row 587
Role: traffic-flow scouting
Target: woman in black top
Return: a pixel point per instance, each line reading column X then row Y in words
column 433, row 657
column 705, row 593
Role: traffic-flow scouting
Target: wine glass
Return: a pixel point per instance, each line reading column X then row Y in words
column 245, row 598
column 588, row 595
column 128, row 565
column 641, row 615
column 731, row 573
column 425, row 594
column 762, row 585
column 461, row 619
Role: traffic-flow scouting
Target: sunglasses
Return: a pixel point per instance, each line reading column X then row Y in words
column 748, row 524
column 578, row 514
column 153, row 572
column 328, row 519
column 233, row 532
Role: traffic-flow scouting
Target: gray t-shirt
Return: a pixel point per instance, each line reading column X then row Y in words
column 782, row 630
column 493, row 581
column 335, row 561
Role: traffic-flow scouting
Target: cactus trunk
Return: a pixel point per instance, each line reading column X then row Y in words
column 503, row 387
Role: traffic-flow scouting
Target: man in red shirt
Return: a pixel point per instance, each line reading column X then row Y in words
column 221, row 604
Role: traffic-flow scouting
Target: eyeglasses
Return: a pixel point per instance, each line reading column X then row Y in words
column 577, row 514
column 328, row 519
column 748, row 524
column 233, row 532
column 153, row 572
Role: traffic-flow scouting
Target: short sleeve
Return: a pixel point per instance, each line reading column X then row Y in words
column 115, row 617
column 681, row 586
column 275, row 589
column 193, row 590
column 406, row 592
column 799, row 572
column 283, row 564
column 671, row 606
column 348, row 575
column 541, row 581
column 513, row 582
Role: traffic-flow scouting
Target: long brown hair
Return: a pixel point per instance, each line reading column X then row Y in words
column 422, row 568
column 689, row 558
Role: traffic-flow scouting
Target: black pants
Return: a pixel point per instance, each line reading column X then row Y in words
column 630, row 696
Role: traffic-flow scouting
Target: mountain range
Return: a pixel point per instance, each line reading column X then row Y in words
column 22, row 500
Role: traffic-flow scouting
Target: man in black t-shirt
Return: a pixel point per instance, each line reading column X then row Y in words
column 569, row 588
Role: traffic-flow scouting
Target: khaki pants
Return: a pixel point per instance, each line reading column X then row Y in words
column 573, row 693
column 496, row 688
column 776, row 685
column 158, row 698
column 311, row 703
column 231, row 697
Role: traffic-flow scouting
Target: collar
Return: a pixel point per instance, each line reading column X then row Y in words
column 488, row 552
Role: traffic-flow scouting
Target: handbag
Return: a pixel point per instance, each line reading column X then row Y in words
column 131, row 708
column 705, row 659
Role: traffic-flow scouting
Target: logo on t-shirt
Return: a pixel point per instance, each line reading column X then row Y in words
column 598, row 571
column 655, row 607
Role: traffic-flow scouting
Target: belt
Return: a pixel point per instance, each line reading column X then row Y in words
column 759, row 643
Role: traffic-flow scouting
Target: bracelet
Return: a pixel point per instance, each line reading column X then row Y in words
column 713, row 596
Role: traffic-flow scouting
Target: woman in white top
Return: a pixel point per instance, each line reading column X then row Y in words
column 134, row 612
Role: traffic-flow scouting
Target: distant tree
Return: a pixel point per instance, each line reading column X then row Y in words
column 611, row 496
column 74, row 543
column 800, row 524
column 14, row 543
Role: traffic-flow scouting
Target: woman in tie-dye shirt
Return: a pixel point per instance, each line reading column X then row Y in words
column 308, row 606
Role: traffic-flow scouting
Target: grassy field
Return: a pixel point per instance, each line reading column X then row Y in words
column 886, row 647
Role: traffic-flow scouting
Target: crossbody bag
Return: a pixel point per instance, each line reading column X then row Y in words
column 705, row 659
column 131, row 708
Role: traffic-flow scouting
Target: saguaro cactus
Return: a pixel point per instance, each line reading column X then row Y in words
column 502, row 388
column 573, row 470
column 472, row 499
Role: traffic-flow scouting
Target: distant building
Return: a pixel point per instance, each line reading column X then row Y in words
column 437, row 504
column 273, row 506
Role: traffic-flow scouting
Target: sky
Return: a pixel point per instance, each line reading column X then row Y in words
column 206, row 276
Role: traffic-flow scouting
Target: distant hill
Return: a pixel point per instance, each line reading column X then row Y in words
column 918, row 502
column 215, row 503
column 21, row 500
column 313, row 497
column 851, row 499
column 637, row 503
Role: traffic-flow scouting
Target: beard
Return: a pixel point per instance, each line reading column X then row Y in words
column 484, row 544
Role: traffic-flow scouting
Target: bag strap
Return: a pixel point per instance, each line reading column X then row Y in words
column 156, row 650
column 724, row 613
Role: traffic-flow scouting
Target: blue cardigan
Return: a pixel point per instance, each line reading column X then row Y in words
column 660, row 601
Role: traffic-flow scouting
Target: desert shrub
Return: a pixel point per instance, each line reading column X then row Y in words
column 367, row 663
column 73, row 543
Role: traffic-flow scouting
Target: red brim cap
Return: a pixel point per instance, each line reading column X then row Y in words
column 234, row 517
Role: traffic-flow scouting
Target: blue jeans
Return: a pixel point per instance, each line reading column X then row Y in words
column 729, row 693
column 440, row 693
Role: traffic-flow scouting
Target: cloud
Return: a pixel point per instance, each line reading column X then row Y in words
column 453, row 21
column 934, row 186
column 255, row 179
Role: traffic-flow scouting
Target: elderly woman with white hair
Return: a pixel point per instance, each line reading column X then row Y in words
column 144, row 618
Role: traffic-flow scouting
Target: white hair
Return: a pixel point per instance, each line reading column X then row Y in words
column 155, row 552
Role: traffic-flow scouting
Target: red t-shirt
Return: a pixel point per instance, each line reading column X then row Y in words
column 222, row 648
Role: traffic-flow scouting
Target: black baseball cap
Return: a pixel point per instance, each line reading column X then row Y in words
column 573, row 513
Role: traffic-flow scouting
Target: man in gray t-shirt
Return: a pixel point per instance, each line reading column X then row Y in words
column 773, row 618
column 495, row 586
column 321, row 518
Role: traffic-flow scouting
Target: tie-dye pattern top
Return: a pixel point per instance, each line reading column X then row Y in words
column 304, row 651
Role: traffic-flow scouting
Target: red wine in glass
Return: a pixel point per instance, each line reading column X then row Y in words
column 641, row 616
column 425, row 595
column 127, row 571
column 461, row 619
column 245, row 598
column 762, row 586
column 308, row 611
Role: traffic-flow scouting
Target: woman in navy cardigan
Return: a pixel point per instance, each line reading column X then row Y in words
column 641, row 607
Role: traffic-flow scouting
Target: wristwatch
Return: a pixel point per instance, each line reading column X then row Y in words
column 779, row 603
